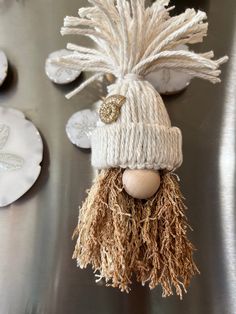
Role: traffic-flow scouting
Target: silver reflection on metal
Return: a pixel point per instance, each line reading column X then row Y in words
column 227, row 168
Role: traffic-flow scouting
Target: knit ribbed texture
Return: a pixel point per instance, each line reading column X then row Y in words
column 142, row 137
column 132, row 41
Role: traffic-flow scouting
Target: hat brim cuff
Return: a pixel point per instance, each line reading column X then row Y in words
column 136, row 146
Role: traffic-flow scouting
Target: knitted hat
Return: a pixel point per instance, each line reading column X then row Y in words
column 133, row 41
column 142, row 136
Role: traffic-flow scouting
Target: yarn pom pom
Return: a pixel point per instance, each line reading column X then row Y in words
column 132, row 39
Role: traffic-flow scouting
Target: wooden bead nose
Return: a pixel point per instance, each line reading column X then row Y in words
column 141, row 184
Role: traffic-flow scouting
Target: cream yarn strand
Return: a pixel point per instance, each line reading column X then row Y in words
column 132, row 39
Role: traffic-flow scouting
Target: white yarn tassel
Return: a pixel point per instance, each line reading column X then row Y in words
column 132, row 39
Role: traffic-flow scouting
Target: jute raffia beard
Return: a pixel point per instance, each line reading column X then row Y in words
column 120, row 236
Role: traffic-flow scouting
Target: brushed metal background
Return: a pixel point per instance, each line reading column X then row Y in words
column 37, row 274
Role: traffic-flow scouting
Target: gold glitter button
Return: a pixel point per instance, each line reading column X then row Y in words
column 110, row 109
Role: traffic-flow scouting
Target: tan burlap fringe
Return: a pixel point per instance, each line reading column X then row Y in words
column 121, row 236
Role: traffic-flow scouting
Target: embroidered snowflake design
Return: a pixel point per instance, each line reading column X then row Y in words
column 84, row 127
column 61, row 72
column 8, row 162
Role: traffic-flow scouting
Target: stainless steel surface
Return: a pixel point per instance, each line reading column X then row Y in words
column 37, row 274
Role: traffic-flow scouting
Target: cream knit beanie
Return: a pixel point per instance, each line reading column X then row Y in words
column 142, row 137
column 133, row 41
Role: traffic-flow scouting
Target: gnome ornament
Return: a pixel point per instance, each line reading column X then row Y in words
column 132, row 223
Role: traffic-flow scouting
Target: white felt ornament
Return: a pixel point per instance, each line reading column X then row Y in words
column 59, row 74
column 80, row 126
column 168, row 81
column 3, row 67
column 21, row 152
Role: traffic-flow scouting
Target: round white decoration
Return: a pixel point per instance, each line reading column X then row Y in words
column 21, row 151
column 168, row 81
column 3, row 67
column 80, row 126
column 57, row 73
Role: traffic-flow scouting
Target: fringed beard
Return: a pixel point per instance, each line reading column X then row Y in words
column 121, row 236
